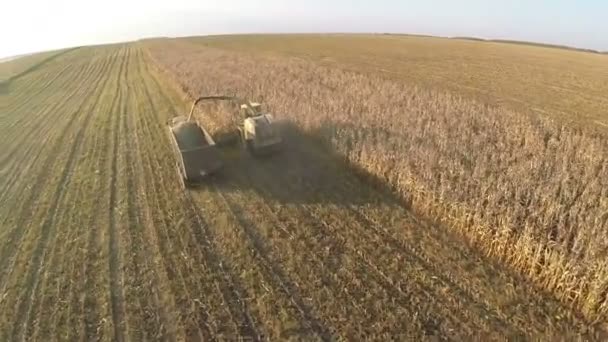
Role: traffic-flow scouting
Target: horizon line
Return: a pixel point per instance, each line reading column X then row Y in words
column 535, row 43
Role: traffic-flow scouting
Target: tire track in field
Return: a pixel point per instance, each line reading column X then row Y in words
column 439, row 280
column 117, row 254
column 88, row 305
column 15, row 236
column 319, row 246
column 48, row 228
column 75, row 312
column 144, row 313
column 181, row 291
column 230, row 289
column 201, row 317
column 274, row 272
column 168, row 328
column 172, row 330
column 167, row 245
column 162, row 89
column 33, row 150
column 200, row 329
column 117, row 304
column 155, row 318
column 161, row 276
column 269, row 301
column 346, row 288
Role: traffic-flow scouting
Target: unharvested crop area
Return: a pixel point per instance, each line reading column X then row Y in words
column 98, row 242
column 569, row 85
column 528, row 191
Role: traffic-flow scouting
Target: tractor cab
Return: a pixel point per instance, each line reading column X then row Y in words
column 259, row 133
column 251, row 110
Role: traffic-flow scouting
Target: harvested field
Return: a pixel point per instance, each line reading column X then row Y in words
column 98, row 242
column 16, row 66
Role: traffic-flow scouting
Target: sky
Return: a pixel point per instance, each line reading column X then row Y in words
column 38, row 25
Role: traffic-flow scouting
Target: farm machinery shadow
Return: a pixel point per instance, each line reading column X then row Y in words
column 4, row 87
column 304, row 171
column 308, row 172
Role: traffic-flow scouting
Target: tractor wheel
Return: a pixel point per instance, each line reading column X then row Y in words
column 241, row 138
column 249, row 147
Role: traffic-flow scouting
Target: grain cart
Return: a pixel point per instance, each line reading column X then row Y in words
column 196, row 153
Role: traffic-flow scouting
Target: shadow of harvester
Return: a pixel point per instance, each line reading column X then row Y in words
column 304, row 171
column 4, row 87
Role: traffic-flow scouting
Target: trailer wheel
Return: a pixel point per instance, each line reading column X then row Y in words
column 250, row 148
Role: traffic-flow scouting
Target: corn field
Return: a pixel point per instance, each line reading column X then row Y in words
column 527, row 191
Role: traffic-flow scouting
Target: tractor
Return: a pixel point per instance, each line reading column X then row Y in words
column 258, row 132
column 197, row 151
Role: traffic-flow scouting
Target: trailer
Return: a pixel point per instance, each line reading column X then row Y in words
column 196, row 153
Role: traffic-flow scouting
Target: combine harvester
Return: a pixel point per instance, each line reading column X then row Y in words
column 197, row 153
column 258, row 132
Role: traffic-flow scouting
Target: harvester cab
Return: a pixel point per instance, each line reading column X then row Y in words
column 258, row 132
column 251, row 109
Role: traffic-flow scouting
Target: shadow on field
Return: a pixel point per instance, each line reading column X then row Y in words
column 42, row 63
column 4, row 87
column 304, row 171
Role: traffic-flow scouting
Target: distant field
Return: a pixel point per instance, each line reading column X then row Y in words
column 8, row 59
column 9, row 67
column 571, row 85
column 528, row 43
